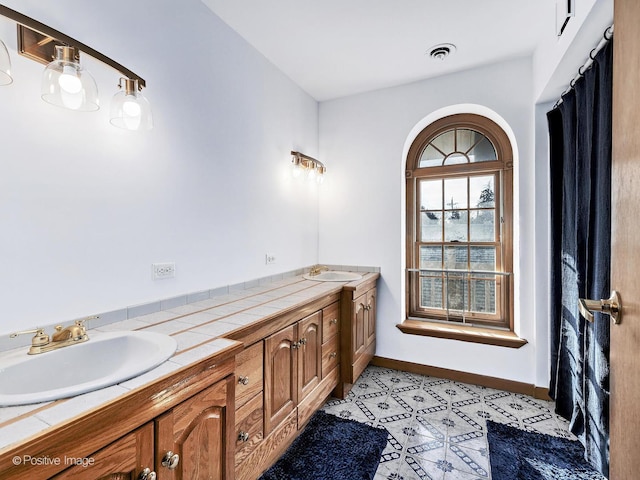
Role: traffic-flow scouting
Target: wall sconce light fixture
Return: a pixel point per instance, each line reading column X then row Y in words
column 302, row 164
column 64, row 82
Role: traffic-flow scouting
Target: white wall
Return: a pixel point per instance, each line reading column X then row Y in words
column 85, row 208
column 362, row 139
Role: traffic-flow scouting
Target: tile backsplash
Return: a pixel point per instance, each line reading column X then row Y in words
column 171, row 303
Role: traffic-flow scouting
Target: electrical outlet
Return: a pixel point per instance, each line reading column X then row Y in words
column 269, row 259
column 163, row 270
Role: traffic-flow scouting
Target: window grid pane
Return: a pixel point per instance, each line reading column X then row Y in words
column 458, row 235
column 457, row 146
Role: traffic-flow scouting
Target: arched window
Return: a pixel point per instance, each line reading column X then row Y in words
column 459, row 223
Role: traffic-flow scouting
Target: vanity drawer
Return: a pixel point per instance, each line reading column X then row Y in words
column 249, row 432
column 330, row 321
column 248, row 373
column 330, row 355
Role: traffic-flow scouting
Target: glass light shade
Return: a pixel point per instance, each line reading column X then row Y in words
column 130, row 109
column 5, row 65
column 296, row 167
column 311, row 173
column 66, row 84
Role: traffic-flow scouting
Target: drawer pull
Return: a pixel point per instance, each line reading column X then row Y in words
column 242, row 380
column 170, row 460
column 147, row 474
column 243, row 437
column 333, row 354
column 334, row 321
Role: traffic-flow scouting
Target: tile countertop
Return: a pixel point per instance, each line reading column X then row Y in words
column 199, row 329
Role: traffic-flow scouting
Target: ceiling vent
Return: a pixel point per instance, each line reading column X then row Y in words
column 442, row 51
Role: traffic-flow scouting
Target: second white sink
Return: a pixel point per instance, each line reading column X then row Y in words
column 104, row 360
column 334, row 276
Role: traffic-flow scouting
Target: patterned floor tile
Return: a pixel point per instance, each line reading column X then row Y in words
column 419, row 468
column 437, row 427
column 468, row 460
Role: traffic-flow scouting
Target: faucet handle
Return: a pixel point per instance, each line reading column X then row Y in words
column 81, row 323
column 40, row 338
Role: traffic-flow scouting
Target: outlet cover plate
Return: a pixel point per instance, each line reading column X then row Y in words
column 161, row 271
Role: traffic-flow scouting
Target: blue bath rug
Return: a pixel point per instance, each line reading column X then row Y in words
column 331, row 448
column 520, row 455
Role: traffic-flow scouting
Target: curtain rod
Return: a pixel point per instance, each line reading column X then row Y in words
column 606, row 37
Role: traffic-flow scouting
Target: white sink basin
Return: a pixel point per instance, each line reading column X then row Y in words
column 104, row 360
column 333, row 276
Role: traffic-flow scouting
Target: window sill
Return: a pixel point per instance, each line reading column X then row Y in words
column 487, row 336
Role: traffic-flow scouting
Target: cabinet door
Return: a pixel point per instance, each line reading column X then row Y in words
column 359, row 325
column 309, row 354
column 124, row 459
column 199, row 430
column 249, row 371
column 370, row 324
column 280, row 376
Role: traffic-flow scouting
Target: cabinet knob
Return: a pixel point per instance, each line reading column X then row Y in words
column 243, row 436
column 333, row 354
column 334, row 321
column 147, row 474
column 303, row 341
column 242, row 380
column 170, row 460
column 295, row 345
column 367, row 307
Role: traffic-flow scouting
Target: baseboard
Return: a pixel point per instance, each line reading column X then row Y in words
column 464, row 377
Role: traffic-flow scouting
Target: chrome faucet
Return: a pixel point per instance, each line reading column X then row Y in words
column 316, row 269
column 62, row 337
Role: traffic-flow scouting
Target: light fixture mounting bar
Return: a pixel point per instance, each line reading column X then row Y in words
column 37, row 41
column 306, row 159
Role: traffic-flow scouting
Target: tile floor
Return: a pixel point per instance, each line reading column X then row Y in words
column 437, row 428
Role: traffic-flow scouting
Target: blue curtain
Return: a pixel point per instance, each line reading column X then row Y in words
column 580, row 180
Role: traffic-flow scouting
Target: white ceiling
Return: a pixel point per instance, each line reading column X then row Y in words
column 334, row 48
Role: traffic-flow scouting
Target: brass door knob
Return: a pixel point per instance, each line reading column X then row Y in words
column 612, row 306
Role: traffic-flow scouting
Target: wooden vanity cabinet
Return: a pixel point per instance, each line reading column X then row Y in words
column 358, row 338
column 299, row 373
column 123, row 459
